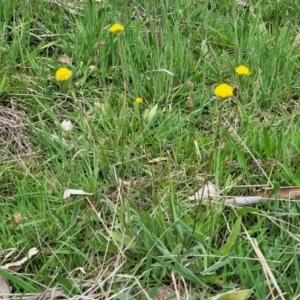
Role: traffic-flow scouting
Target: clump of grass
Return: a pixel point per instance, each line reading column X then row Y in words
column 138, row 236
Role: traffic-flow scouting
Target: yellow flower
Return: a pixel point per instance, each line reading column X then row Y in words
column 242, row 70
column 116, row 27
column 63, row 74
column 223, row 91
column 139, row 100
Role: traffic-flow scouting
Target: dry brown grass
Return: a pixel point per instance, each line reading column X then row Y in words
column 13, row 141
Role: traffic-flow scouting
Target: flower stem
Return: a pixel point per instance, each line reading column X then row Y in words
column 206, row 172
column 124, row 105
column 147, row 157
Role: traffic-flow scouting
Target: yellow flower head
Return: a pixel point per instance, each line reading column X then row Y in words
column 63, row 74
column 116, row 27
column 139, row 100
column 223, row 91
column 242, row 70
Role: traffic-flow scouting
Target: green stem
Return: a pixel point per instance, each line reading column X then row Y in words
column 124, row 105
column 147, row 157
column 206, row 172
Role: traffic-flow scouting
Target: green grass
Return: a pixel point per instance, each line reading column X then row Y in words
column 135, row 234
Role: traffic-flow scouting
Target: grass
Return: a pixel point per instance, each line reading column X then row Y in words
column 134, row 238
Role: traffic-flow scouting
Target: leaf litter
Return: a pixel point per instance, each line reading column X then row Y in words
column 5, row 288
column 209, row 192
column 12, row 136
column 16, row 266
column 69, row 192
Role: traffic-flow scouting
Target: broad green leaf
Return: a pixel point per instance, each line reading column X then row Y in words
column 235, row 295
column 145, row 113
column 105, row 246
column 180, row 269
column 48, row 45
column 247, row 210
column 26, row 286
column 239, row 154
column 2, row 83
column 232, row 237
column 67, row 286
column 177, row 249
column 204, row 48
column 267, row 142
column 126, row 240
column 223, row 261
column 152, row 113
column 289, row 173
column 276, row 188
column 159, row 270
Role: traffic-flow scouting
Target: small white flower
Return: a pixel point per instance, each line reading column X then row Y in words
column 66, row 125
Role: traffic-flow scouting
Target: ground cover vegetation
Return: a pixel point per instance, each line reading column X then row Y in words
column 140, row 103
